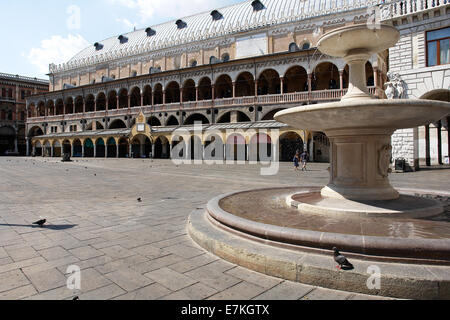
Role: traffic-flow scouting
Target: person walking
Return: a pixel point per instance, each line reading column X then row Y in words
column 296, row 161
column 304, row 158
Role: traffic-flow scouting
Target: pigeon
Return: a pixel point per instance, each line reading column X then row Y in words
column 139, row 199
column 76, row 298
column 40, row 222
column 341, row 260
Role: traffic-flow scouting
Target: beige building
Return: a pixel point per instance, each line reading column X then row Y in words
column 230, row 69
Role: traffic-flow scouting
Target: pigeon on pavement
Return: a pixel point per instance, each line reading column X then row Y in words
column 40, row 222
column 341, row 260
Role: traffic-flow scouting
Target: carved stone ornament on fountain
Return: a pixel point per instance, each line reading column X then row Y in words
column 396, row 87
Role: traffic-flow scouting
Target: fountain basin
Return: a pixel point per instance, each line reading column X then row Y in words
column 264, row 215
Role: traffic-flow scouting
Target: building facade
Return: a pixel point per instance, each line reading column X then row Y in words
column 419, row 66
column 14, row 90
column 230, row 70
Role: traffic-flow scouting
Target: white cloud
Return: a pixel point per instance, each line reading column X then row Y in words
column 56, row 50
column 168, row 9
column 127, row 23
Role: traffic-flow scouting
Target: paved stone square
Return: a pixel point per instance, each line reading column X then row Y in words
column 137, row 250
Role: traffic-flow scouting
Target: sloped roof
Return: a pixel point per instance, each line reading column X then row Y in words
column 237, row 18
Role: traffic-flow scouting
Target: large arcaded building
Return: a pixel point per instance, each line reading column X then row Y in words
column 231, row 69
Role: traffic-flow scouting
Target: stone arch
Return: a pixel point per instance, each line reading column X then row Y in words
column 40, row 109
column 260, row 147
column 123, row 148
column 117, row 124
column 295, row 79
column 290, row 143
column 321, row 147
column 325, row 76
column 189, row 91
column 101, row 101
column 111, row 148
column 154, row 122
column 223, row 87
column 69, row 105
column 90, row 103
column 123, row 98
column 293, row 47
column 100, row 148
column 35, row 131
column 172, row 121
column 269, row 116
column 59, row 107
column 77, row 148
column 79, row 104
column 370, row 80
column 47, row 148
column 269, row 82
column 50, row 105
column 204, row 89
column 135, row 97
column 112, row 100
column 88, row 148
column 173, row 92
column 196, row 117
column 7, row 137
column 178, row 140
column 162, row 148
column 245, row 85
column 147, row 95
column 216, row 151
column 158, row 94
column 141, row 146
column 38, row 148
column 236, row 148
column 57, row 148
column 67, row 147
column 239, row 116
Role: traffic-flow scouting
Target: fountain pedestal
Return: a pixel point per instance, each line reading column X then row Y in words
column 360, row 164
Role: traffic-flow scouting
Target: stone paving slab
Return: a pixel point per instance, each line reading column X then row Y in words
column 151, row 292
column 170, row 279
column 18, row 293
column 286, row 291
column 128, row 279
column 12, row 280
column 46, row 280
column 96, row 223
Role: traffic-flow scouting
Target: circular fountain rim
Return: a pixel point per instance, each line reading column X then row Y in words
column 377, row 248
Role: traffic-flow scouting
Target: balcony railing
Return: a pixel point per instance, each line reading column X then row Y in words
column 287, row 98
column 396, row 8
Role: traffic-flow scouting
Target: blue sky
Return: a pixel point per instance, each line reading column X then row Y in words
column 36, row 33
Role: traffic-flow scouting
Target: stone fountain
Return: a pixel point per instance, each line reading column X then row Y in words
column 292, row 230
column 359, row 126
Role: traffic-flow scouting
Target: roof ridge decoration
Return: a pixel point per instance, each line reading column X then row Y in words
column 240, row 17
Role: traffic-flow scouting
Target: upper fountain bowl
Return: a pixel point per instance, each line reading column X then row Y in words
column 372, row 114
column 346, row 40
